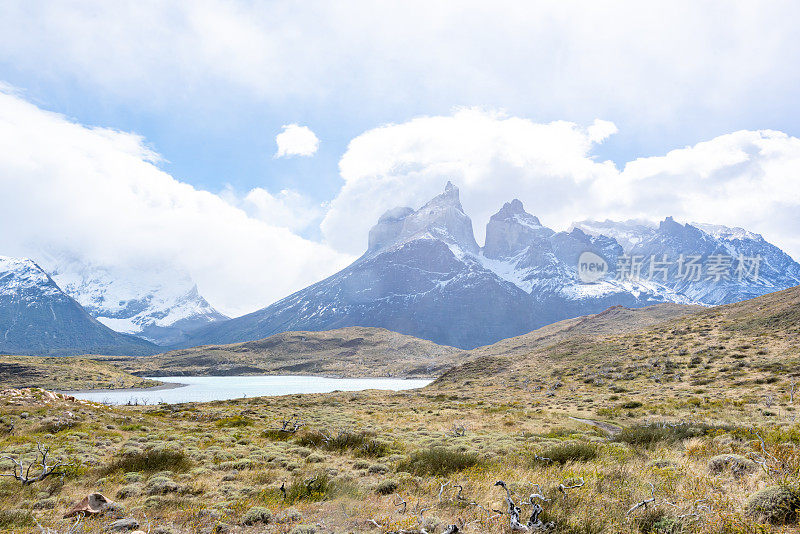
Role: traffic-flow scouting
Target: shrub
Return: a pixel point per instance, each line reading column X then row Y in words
column 739, row 465
column 570, row 451
column 775, row 504
column 16, row 519
column 316, row 488
column 257, row 514
column 54, row 425
column 650, row 433
column 437, row 461
column 387, row 487
column 377, row 469
column 160, row 485
column 362, row 443
column 131, row 490
column 656, row 521
column 304, row 529
column 630, row 405
column 234, row 422
column 276, row 434
column 151, row 460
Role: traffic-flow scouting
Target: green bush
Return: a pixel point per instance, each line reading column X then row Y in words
column 570, row 451
column 361, row 443
column 656, row 521
column 387, row 487
column 275, row 434
column 152, row 460
column 234, row 422
column 315, row 488
column 776, row 504
column 257, row 514
column 437, row 461
column 650, row 433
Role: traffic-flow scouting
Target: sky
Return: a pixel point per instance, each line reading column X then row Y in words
column 253, row 144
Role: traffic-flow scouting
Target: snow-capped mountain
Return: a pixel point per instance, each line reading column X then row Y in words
column 159, row 305
column 705, row 263
column 37, row 317
column 423, row 274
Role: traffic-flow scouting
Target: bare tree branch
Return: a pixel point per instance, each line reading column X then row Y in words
column 23, row 473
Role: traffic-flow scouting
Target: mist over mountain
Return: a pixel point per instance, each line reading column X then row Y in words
column 160, row 305
column 37, row 317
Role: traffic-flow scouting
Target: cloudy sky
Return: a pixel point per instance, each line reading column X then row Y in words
column 253, row 144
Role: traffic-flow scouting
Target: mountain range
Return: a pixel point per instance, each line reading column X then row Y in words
column 423, row 274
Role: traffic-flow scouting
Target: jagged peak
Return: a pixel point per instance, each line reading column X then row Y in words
column 727, row 232
column 450, row 197
column 442, row 218
column 516, row 210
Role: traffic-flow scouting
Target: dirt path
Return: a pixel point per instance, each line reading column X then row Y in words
column 606, row 427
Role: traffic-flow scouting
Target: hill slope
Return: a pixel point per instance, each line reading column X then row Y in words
column 733, row 357
column 65, row 373
column 373, row 352
column 351, row 352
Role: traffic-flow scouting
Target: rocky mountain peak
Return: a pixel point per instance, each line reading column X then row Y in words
column 18, row 275
column 441, row 218
column 511, row 230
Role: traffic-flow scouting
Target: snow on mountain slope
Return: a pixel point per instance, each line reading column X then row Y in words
column 421, row 275
column 160, row 305
column 627, row 233
column 36, row 317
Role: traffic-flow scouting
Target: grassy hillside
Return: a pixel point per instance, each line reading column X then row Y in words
column 615, row 320
column 346, row 352
column 678, row 427
column 724, row 361
column 65, row 372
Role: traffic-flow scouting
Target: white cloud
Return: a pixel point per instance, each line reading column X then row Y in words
column 674, row 62
column 286, row 209
column 747, row 178
column 97, row 194
column 296, row 140
column 491, row 157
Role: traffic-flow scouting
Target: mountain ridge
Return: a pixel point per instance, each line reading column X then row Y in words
column 423, row 274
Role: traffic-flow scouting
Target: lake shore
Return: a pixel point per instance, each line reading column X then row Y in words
column 160, row 387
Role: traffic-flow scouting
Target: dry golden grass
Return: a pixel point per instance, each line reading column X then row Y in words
column 513, row 409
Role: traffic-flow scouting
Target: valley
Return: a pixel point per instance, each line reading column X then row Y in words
column 691, row 412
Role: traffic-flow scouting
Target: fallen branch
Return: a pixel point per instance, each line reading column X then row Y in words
column 645, row 502
column 563, row 488
column 534, row 523
column 23, row 474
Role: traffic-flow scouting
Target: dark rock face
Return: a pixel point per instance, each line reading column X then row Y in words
column 423, row 274
column 36, row 317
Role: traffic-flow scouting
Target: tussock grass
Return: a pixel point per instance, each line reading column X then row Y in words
column 437, row 461
column 570, row 451
column 151, row 460
column 361, row 443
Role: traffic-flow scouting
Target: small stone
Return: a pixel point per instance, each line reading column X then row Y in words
column 122, row 525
